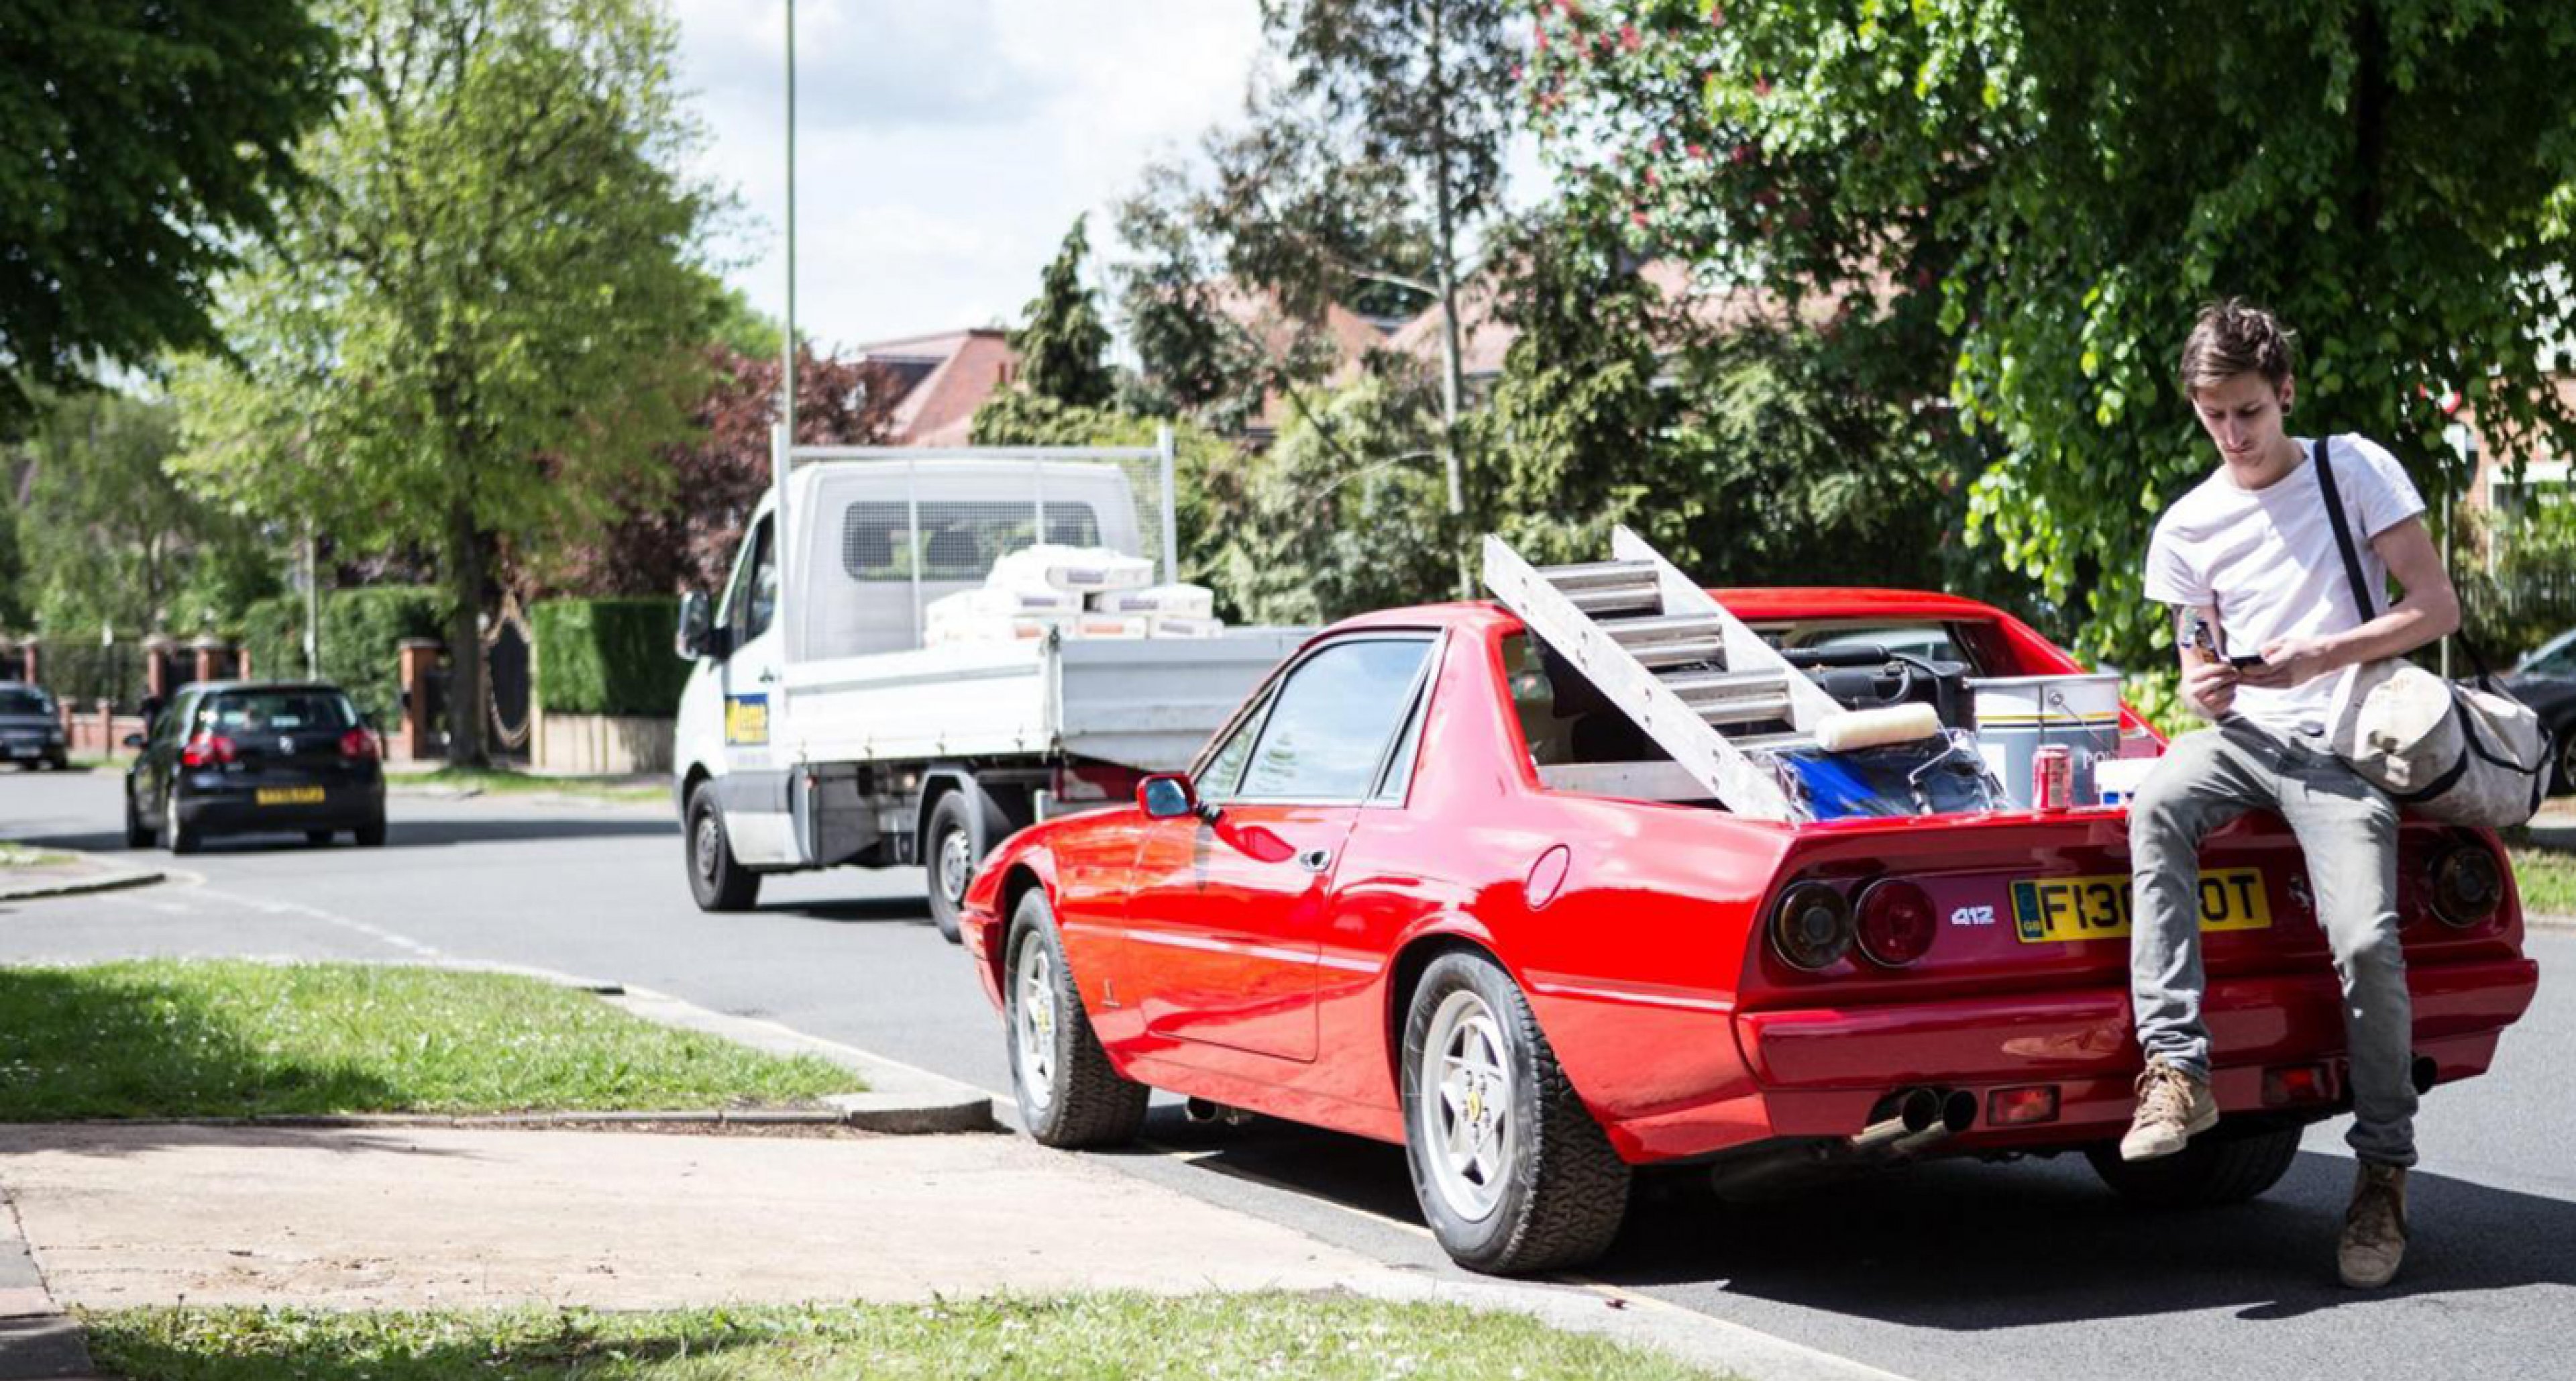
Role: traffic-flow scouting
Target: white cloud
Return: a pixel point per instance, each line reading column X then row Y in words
column 944, row 148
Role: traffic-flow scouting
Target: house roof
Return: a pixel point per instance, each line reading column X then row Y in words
column 945, row 377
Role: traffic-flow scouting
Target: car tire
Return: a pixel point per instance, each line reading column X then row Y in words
column 1538, row 1187
column 2563, row 736
column 2218, row 1167
column 1069, row 1095
column 951, row 862
column 177, row 834
column 717, row 881
column 137, row 834
column 317, row 836
column 370, row 835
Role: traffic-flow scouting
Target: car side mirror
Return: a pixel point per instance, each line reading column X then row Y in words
column 1169, row 796
column 133, row 740
column 696, row 636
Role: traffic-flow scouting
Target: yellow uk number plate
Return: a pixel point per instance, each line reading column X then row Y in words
column 2048, row 910
column 288, row 796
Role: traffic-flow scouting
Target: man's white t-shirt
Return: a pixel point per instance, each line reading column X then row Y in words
column 2265, row 559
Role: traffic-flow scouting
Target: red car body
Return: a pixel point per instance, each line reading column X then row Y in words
column 1212, row 965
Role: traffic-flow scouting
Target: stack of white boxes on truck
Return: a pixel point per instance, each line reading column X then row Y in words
column 1080, row 592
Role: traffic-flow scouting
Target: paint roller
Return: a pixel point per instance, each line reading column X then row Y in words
column 1847, row 730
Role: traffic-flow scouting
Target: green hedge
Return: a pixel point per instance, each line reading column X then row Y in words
column 361, row 632
column 608, row 656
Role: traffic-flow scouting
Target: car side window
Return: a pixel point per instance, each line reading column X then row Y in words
column 754, row 597
column 1327, row 732
column 1226, row 768
column 1397, row 779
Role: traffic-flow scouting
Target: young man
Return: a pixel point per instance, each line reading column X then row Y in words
column 2251, row 552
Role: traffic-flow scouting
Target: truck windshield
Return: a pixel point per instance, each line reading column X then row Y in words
column 25, row 700
column 960, row 539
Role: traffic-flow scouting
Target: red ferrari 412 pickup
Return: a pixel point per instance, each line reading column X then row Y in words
column 1448, row 880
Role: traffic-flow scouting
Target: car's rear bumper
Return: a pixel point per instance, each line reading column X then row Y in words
column 1824, row 1072
column 232, row 810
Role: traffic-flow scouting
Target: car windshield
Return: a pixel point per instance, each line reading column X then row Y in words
column 25, row 700
column 284, row 711
column 1929, row 639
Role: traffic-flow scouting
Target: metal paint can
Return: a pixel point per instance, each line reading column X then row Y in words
column 2052, row 777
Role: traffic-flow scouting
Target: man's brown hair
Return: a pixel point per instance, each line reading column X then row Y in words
column 2234, row 337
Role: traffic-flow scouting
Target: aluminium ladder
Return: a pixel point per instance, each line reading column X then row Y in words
column 1675, row 661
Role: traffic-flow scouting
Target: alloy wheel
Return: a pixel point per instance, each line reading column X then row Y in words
column 1033, row 1022
column 1465, row 1097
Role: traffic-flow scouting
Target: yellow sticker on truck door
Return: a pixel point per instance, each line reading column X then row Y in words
column 747, row 719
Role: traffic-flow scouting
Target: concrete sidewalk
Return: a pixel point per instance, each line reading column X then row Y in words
column 118, row 1216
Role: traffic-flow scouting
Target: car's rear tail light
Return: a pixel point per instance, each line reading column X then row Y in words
column 358, row 745
column 1812, row 927
column 2293, row 1084
column 2020, row 1107
column 1896, row 923
column 206, row 750
column 2467, row 886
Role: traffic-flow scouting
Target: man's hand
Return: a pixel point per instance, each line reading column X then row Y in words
column 2209, row 687
column 2291, row 662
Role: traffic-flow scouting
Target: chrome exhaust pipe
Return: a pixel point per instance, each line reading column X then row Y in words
column 1917, row 1110
column 1200, row 1110
column 1958, row 1114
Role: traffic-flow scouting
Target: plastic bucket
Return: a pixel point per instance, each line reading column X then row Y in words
column 2018, row 714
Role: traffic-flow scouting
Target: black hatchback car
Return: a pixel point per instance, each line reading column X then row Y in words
column 31, row 729
column 232, row 757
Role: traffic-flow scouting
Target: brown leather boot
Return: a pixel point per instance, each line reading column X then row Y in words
column 2374, row 1228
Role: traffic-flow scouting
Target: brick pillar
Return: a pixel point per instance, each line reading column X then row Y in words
column 156, row 666
column 28, row 664
column 214, row 657
column 241, row 661
column 418, row 657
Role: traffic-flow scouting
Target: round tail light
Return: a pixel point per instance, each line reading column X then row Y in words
column 2467, row 886
column 1812, row 926
column 1896, row 923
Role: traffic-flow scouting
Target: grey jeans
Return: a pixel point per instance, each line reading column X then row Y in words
column 2348, row 830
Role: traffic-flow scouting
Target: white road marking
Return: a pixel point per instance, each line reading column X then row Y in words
column 376, row 933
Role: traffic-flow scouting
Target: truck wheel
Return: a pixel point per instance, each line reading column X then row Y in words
column 715, row 879
column 1068, row 1093
column 1512, row 1172
column 952, row 862
column 2216, row 1168
column 371, row 835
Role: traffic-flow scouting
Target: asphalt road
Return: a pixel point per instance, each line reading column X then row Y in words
column 1948, row 1270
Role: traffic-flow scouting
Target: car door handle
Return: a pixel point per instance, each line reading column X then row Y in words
column 1315, row 860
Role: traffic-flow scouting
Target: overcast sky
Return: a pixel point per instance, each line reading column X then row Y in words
column 944, row 146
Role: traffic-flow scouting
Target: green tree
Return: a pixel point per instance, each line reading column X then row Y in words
column 2056, row 189
column 146, row 140
column 1064, row 348
column 111, row 538
column 1426, row 85
column 490, row 321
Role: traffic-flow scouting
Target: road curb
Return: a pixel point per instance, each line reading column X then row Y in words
column 901, row 1099
column 37, row 1339
column 112, row 878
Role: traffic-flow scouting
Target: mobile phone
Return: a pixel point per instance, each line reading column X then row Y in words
column 2247, row 663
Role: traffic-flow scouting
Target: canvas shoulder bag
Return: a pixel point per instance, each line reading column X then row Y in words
column 2466, row 754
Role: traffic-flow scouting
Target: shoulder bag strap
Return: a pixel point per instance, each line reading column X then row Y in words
column 2361, row 600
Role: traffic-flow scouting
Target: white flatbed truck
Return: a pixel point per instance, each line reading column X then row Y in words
column 816, row 730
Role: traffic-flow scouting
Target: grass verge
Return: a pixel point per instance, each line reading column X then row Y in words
column 165, row 1038
column 21, row 856
column 500, row 781
column 2547, row 878
column 1106, row 1335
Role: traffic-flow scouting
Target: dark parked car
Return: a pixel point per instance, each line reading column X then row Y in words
column 31, row 730
column 2546, row 681
column 230, row 757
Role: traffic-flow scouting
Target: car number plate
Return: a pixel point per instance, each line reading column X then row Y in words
column 2050, row 910
column 288, row 796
